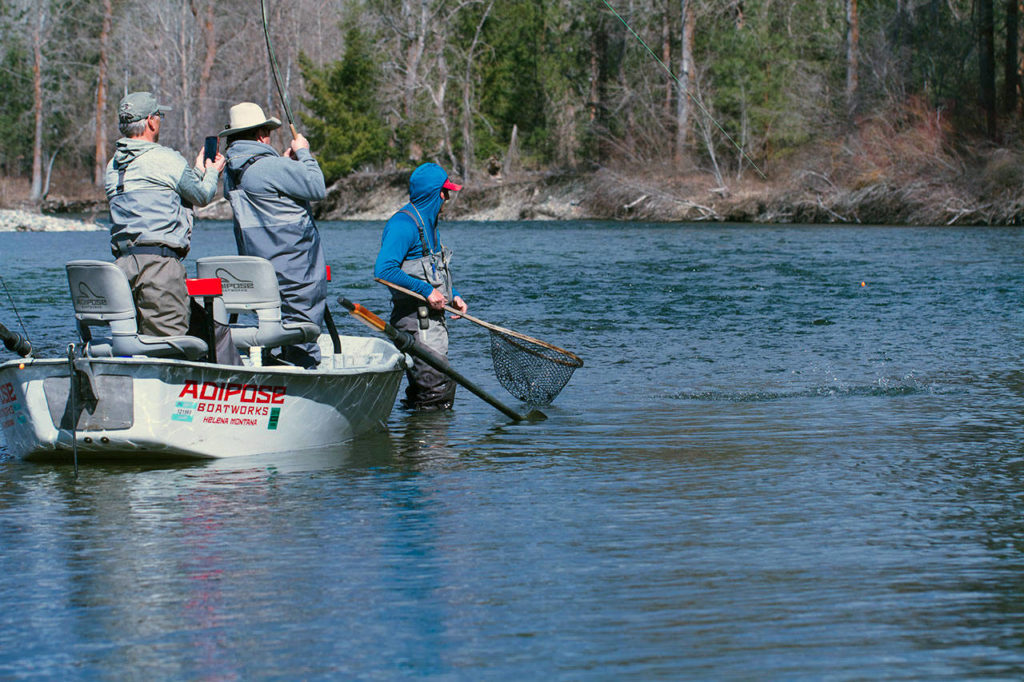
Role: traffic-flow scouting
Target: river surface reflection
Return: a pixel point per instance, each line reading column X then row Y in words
column 794, row 452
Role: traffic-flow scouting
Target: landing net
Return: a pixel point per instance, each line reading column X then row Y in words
column 532, row 371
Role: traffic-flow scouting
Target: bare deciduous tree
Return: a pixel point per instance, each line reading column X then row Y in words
column 852, row 55
column 689, row 23
column 100, row 152
column 39, row 27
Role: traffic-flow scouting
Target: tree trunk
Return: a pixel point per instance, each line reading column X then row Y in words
column 567, row 138
column 629, row 133
column 685, row 73
column 666, row 55
column 209, row 33
column 442, row 113
column 852, row 56
column 100, row 157
column 1011, row 67
column 183, row 62
column 413, row 55
column 511, row 164
column 986, row 64
column 468, row 105
column 594, row 86
column 36, row 192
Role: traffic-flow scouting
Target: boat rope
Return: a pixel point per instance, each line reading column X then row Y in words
column 674, row 77
column 15, row 308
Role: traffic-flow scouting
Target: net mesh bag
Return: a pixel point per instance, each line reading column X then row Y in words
column 533, row 372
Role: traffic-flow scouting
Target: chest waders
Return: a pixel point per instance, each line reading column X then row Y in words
column 428, row 388
column 150, row 233
column 275, row 226
column 148, row 217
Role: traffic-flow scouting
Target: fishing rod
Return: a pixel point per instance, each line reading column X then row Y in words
column 696, row 101
column 328, row 318
column 276, row 72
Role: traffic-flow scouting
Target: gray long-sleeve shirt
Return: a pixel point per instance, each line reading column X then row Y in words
column 151, row 190
column 301, row 179
column 153, row 166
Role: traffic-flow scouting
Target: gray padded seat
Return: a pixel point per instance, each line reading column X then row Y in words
column 102, row 296
column 250, row 286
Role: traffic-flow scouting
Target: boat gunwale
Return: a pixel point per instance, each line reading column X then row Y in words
column 279, row 370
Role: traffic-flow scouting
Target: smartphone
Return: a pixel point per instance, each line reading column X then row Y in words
column 210, row 147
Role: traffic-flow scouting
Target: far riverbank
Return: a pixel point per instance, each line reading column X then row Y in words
column 990, row 194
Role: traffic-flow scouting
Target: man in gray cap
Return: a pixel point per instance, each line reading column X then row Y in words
column 270, row 194
column 151, row 190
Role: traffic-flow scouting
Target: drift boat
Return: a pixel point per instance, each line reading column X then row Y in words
column 131, row 397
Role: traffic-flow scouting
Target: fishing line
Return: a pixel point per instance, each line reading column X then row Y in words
column 15, row 309
column 692, row 98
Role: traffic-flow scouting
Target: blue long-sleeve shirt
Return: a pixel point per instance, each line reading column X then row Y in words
column 401, row 239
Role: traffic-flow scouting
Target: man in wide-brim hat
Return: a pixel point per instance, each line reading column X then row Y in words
column 269, row 195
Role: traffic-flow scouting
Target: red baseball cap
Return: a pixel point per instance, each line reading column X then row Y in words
column 448, row 184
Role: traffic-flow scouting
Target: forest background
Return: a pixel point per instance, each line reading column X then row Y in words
column 872, row 111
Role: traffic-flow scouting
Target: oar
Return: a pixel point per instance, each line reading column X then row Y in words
column 15, row 342
column 405, row 342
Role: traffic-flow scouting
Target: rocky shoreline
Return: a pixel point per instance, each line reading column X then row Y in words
column 15, row 220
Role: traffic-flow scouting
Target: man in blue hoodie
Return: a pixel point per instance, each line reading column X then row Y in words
column 151, row 190
column 269, row 195
column 412, row 256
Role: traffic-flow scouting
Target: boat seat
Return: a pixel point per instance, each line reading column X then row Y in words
column 102, row 296
column 249, row 285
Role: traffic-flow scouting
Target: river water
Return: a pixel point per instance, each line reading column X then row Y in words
column 793, row 453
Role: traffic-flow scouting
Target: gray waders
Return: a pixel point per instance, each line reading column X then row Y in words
column 150, row 233
column 281, row 229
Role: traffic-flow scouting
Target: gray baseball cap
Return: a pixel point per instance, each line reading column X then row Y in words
column 136, row 106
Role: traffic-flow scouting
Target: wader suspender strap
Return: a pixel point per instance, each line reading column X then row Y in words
column 120, row 176
column 419, row 226
column 236, row 174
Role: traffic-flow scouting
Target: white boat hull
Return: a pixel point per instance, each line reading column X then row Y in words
column 148, row 408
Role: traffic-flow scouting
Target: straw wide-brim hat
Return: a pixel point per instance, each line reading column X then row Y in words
column 246, row 116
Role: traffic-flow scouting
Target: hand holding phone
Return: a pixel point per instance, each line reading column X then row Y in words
column 210, row 147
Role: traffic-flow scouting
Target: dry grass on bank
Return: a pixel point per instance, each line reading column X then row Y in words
column 67, row 190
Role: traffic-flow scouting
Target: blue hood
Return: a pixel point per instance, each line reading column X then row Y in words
column 425, row 190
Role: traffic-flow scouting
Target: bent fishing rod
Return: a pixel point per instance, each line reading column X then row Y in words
column 275, row 71
column 328, row 318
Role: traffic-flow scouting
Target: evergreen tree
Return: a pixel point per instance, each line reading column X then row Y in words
column 15, row 110
column 345, row 127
